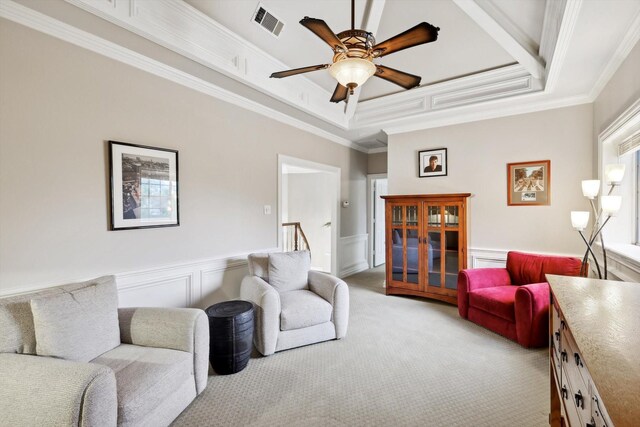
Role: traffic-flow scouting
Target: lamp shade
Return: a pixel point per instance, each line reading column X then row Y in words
column 352, row 71
column 610, row 205
column 590, row 188
column 579, row 219
column 614, row 173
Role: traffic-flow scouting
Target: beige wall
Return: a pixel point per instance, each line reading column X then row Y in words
column 622, row 90
column 478, row 155
column 377, row 163
column 59, row 104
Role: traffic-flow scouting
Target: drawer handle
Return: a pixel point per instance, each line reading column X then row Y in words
column 557, row 335
column 564, row 357
column 592, row 423
column 576, row 357
column 563, row 325
column 565, row 393
column 579, row 400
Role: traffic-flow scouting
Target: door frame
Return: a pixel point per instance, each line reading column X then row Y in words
column 370, row 210
column 335, row 173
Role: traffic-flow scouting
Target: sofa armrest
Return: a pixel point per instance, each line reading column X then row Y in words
column 266, row 305
column 478, row 278
column 532, row 314
column 184, row 329
column 38, row 390
column 336, row 292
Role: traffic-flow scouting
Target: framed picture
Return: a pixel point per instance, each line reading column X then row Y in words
column 432, row 163
column 529, row 183
column 143, row 186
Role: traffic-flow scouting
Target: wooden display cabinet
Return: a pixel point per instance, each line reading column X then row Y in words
column 426, row 242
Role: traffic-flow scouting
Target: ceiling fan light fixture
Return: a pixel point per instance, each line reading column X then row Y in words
column 352, row 72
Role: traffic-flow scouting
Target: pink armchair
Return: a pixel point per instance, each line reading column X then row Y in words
column 513, row 301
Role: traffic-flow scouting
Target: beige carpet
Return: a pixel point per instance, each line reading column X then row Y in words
column 404, row 362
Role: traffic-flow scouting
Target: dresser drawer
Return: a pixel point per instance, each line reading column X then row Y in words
column 568, row 403
column 599, row 417
column 578, row 374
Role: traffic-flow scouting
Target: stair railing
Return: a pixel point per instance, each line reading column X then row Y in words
column 294, row 238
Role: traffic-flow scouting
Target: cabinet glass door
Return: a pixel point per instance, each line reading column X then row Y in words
column 405, row 247
column 443, row 248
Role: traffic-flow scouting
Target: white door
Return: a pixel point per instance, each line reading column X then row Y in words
column 380, row 189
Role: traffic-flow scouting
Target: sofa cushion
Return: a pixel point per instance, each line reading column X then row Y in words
column 303, row 308
column 527, row 268
column 498, row 300
column 146, row 376
column 289, row 271
column 77, row 325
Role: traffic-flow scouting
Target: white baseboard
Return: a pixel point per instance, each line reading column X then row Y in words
column 353, row 254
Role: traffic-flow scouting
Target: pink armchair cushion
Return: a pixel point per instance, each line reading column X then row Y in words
column 469, row 280
column 499, row 300
column 531, row 268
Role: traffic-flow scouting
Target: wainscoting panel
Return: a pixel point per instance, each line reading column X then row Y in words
column 353, row 254
column 172, row 292
column 487, row 258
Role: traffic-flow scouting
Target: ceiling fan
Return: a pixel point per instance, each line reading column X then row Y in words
column 354, row 52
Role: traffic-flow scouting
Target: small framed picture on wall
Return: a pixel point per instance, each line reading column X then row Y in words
column 143, row 185
column 432, row 163
column 529, row 183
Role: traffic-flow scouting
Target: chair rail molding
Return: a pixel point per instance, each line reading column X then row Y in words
column 354, row 254
column 198, row 283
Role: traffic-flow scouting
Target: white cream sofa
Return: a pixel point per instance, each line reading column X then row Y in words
column 70, row 357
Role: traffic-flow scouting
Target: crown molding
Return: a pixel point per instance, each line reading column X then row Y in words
column 479, row 88
column 47, row 25
column 480, row 112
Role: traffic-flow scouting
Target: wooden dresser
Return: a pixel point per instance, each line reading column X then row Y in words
column 594, row 352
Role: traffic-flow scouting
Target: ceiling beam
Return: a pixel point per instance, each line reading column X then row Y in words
column 370, row 22
column 503, row 31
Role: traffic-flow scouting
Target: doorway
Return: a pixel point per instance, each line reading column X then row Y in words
column 309, row 193
column 377, row 186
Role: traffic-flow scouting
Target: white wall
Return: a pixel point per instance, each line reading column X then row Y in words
column 59, row 104
column 478, row 155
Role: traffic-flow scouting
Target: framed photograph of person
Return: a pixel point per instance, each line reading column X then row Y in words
column 529, row 183
column 143, row 186
column 432, row 163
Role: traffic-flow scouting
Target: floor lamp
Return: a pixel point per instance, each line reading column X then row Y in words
column 609, row 206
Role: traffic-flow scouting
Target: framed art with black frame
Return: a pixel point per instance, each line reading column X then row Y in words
column 432, row 163
column 143, row 185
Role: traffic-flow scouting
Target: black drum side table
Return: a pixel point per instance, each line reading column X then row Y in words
column 231, row 335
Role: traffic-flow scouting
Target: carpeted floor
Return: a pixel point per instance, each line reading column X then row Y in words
column 404, row 362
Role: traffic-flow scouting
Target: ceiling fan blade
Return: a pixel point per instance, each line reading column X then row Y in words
column 322, row 30
column 420, row 34
column 400, row 78
column 340, row 94
column 287, row 73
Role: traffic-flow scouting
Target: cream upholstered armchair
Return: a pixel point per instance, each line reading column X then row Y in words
column 294, row 305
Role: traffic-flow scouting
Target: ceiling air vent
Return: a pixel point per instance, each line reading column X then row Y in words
column 267, row 21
